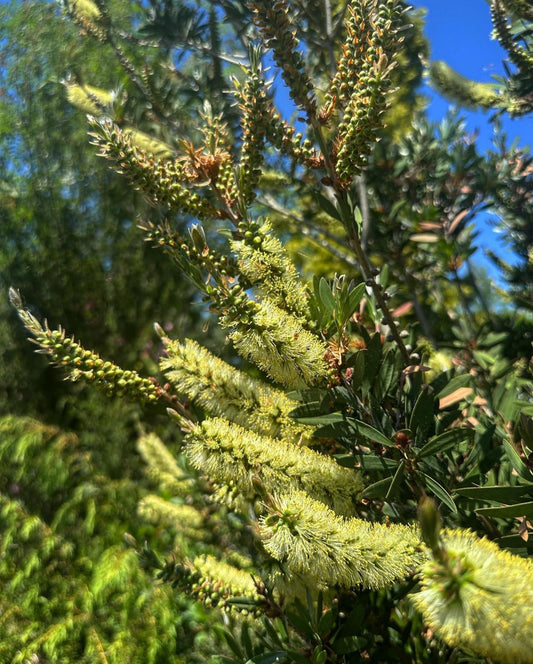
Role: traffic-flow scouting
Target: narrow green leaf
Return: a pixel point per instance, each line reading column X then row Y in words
column 317, row 420
column 388, row 371
column 485, row 360
column 246, row 640
column 516, row 543
column 516, row 461
column 335, row 425
column 355, row 296
column 499, row 494
column 378, row 489
column 366, row 431
column 327, row 619
column 396, row 481
column 508, row 511
column 347, row 645
column 423, row 415
column 374, row 350
column 446, row 440
column 311, row 409
column 375, row 463
column 232, row 643
column 327, row 206
column 526, row 408
column 357, row 362
column 326, row 297
column 358, row 219
column 440, row 492
column 465, row 380
column 274, row 635
column 300, row 620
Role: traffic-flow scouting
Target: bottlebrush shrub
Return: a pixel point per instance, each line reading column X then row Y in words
column 318, row 459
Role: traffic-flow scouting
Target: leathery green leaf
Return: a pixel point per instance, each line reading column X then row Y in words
column 440, row 492
column 446, row 441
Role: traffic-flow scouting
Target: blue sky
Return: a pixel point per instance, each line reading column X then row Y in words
column 459, row 32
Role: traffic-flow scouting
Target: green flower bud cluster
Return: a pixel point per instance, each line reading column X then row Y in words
column 234, row 305
column 160, row 180
column 224, row 391
column 477, row 596
column 503, row 33
column 205, row 258
column 192, row 256
column 369, row 35
column 162, row 466
column 226, row 183
column 360, row 85
column 214, row 583
column 273, row 20
column 227, row 454
column 81, row 364
column 314, row 543
column 284, row 137
column 276, row 342
column 263, row 260
column 256, row 110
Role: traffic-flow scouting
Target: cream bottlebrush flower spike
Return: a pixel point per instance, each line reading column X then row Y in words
column 477, row 596
column 162, row 466
column 233, row 456
column 85, row 9
column 314, row 543
column 276, row 342
column 224, row 391
column 88, row 99
column 186, row 520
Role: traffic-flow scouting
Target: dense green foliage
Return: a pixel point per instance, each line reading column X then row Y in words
column 359, row 486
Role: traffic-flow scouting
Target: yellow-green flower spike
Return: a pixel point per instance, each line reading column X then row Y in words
column 314, row 543
column 467, row 93
column 184, row 519
column 224, row 391
column 162, row 466
column 231, row 455
column 276, row 342
column 148, row 143
column 85, row 9
column 264, row 261
column 479, row 597
column 89, row 99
